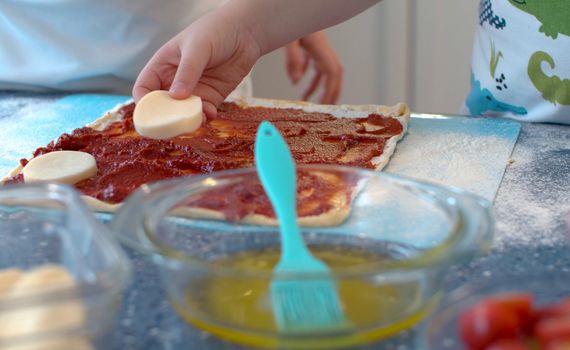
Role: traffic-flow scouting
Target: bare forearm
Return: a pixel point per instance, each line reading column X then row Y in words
column 274, row 23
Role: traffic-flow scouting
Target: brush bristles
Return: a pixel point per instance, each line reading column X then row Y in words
column 307, row 305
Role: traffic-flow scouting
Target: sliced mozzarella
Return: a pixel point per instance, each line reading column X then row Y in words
column 52, row 343
column 159, row 116
column 8, row 278
column 41, row 316
column 43, row 279
column 67, row 167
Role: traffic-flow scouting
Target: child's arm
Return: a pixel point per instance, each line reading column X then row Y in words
column 211, row 56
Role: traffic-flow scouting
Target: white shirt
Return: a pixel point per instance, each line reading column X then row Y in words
column 86, row 45
column 521, row 61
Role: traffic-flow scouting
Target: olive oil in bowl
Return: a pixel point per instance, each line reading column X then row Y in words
column 238, row 308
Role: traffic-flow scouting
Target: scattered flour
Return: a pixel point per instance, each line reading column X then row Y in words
column 473, row 163
column 533, row 205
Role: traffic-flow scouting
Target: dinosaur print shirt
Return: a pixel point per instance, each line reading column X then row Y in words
column 521, row 61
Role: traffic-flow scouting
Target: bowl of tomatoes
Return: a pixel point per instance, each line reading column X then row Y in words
column 529, row 312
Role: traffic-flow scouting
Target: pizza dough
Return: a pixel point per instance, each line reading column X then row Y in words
column 159, row 116
column 67, row 167
column 399, row 112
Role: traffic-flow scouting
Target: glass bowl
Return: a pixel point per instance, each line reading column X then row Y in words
column 388, row 248
column 61, row 272
column 441, row 330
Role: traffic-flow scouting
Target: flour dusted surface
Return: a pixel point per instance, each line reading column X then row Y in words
column 461, row 152
column 534, row 200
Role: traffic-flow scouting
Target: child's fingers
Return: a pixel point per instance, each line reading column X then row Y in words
column 294, row 61
column 307, row 59
column 332, row 87
column 312, row 87
column 139, row 92
column 327, row 64
column 333, row 72
column 157, row 73
column 147, row 81
column 193, row 61
column 209, row 109
column 210, row 95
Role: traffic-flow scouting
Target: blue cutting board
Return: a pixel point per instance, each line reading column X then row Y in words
column 33, row 122
column 470, row 153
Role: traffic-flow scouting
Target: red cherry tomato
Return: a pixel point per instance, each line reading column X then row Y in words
column 553, row 329
column 564, row 302
column 508, row 322
column 554, row 310
column 508, row 344
column 558, row 345
column 485, row 323
column 517, row 301
column 520, row 304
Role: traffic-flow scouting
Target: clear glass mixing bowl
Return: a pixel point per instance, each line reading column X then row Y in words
column 388, row 248
column 48, row 225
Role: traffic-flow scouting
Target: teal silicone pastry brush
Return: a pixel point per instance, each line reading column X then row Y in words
column 305, row 299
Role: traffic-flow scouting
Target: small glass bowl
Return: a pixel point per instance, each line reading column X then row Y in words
column 49, row 226
column 387, row 252
column 441, row 330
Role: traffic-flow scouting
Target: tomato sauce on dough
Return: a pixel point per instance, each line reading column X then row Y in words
column 125, row 160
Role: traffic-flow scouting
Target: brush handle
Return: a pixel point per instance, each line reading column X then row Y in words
column 276, row 170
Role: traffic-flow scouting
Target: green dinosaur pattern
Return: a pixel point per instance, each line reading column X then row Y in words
column 495, row 58
column 553, row 88
column 553, row 14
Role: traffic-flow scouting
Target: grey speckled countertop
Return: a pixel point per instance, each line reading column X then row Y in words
column 532, row 236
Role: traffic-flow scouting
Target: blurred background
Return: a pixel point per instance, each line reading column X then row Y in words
column 413, row 51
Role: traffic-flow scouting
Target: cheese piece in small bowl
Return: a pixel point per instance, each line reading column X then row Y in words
column 36, row 316
column 61, row 275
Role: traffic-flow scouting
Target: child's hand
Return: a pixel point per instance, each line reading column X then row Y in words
column 208, row 59
column 211, row 57
column 315, row 47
